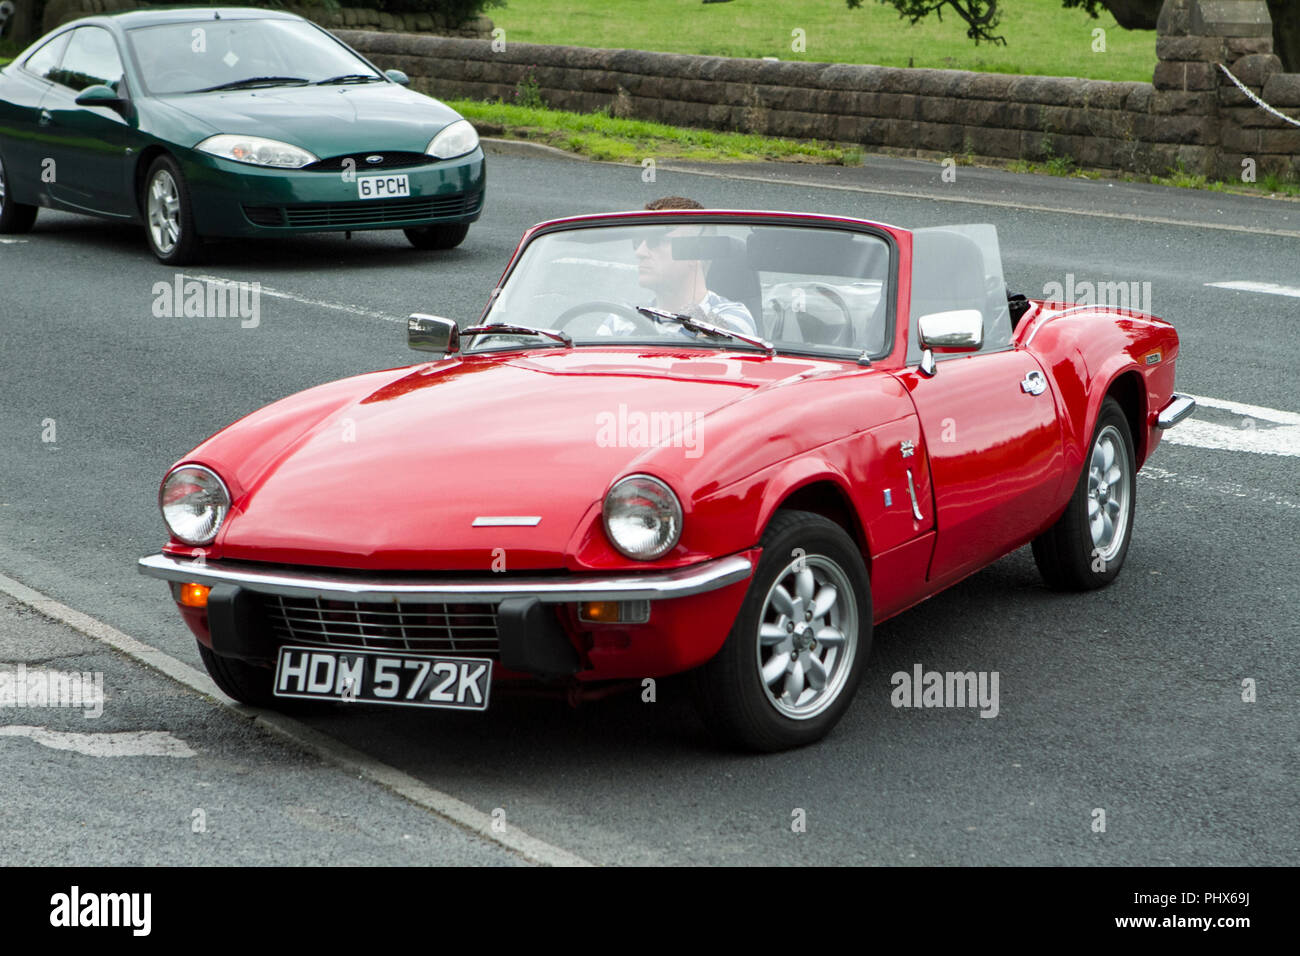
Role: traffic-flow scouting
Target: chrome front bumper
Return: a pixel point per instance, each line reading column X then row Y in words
column 337, row 585
column 1179, row 407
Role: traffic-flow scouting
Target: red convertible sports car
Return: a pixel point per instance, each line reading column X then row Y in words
column 711, row 441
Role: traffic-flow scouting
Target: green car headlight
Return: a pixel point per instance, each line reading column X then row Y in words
column 456, row 139
column 257, row 151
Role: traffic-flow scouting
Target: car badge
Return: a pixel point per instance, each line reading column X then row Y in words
column 907, row 448
column 374, row 160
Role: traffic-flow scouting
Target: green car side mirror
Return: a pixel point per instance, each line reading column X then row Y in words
column 397, row 76
column 100, row 95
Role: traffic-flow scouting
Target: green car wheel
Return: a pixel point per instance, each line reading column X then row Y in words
column 14, row 216
column 169, row 223
column 442, row 236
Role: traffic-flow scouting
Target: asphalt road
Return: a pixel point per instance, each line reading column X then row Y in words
column 1127, row 700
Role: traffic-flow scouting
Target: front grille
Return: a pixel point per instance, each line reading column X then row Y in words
column 461, row 629
column 360, row 163
column 372, row 213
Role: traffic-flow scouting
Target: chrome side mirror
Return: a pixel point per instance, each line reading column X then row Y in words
column 432, row 333
column 961, row 330
column 398, row 77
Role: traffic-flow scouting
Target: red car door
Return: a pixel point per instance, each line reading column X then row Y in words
column 996, row 458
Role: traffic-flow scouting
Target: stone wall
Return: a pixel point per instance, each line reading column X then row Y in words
column 1190, row 115
column 58, row 12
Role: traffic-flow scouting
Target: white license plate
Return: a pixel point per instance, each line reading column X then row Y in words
column 383, row 187
column 377, row 677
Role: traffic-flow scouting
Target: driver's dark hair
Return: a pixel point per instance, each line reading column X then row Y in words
column 673, row 202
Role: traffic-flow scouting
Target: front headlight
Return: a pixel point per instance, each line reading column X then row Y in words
column 194, row 502
column 257, row 151
column 643, row 518
column 456, row 139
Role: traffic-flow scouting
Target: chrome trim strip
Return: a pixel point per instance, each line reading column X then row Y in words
column 650, row 586
column 1179, row 407
column 507, row 521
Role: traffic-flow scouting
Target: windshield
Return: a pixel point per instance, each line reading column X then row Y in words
column 807, row 289
column 206, row 54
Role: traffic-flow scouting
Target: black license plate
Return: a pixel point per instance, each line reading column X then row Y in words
column 381, row 677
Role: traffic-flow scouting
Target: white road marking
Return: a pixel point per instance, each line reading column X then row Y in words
column 1270, row 288
column 130, row 743
column 305, row 300
column 1280, row 436
column 341, row 755
column 1230, row 488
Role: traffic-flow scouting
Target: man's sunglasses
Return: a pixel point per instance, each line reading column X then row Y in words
column 652, row 240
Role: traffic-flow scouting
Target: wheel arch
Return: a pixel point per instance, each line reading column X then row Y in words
column 826, row 495
column 147, row 157
column 1128, row 388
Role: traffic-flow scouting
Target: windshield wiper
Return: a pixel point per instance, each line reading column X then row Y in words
column 502, row 328
column 350, row 78
column 708, row 328
column 254, row 81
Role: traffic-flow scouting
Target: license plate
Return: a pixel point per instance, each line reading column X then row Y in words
column 377, row 677
column 383, row 187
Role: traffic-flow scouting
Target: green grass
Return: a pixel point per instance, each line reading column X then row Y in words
column 1042, row 37
column 601, row 136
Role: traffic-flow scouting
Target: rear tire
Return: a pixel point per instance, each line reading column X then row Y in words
column 806, row 620
column 447, row 235
column 15, row 217
column 1086, row 547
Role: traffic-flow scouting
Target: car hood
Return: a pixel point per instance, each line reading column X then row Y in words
column 393, row 472
column 328, row 120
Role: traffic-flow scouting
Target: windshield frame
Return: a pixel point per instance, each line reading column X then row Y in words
column 711, row 217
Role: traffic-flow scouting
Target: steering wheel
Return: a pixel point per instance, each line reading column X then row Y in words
column 848, row 334
column 643, row 323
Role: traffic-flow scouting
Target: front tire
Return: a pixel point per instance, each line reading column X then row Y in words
column 796, row 653
column 446, row 235
column 15, row 217
column 252, row 685
column 168, row 220
column 1086, row 547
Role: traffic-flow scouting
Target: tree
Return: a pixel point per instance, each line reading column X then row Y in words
column 982, row 18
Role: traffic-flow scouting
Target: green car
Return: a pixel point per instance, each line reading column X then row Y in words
column 228, row 122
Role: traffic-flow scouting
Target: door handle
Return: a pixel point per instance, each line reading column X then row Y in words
column 46, row 117
column 911, row 490
column 1034, row 383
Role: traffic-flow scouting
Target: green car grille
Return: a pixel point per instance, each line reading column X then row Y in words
column 372, row 213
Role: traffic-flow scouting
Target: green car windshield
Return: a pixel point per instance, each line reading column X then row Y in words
column 201, row 55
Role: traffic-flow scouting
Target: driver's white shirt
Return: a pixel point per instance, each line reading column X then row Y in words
column 712, row 308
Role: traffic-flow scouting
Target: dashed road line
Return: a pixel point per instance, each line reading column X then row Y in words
column 354, row 761
column 1259, row 430
column 304, row 300
column 1268, row 288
